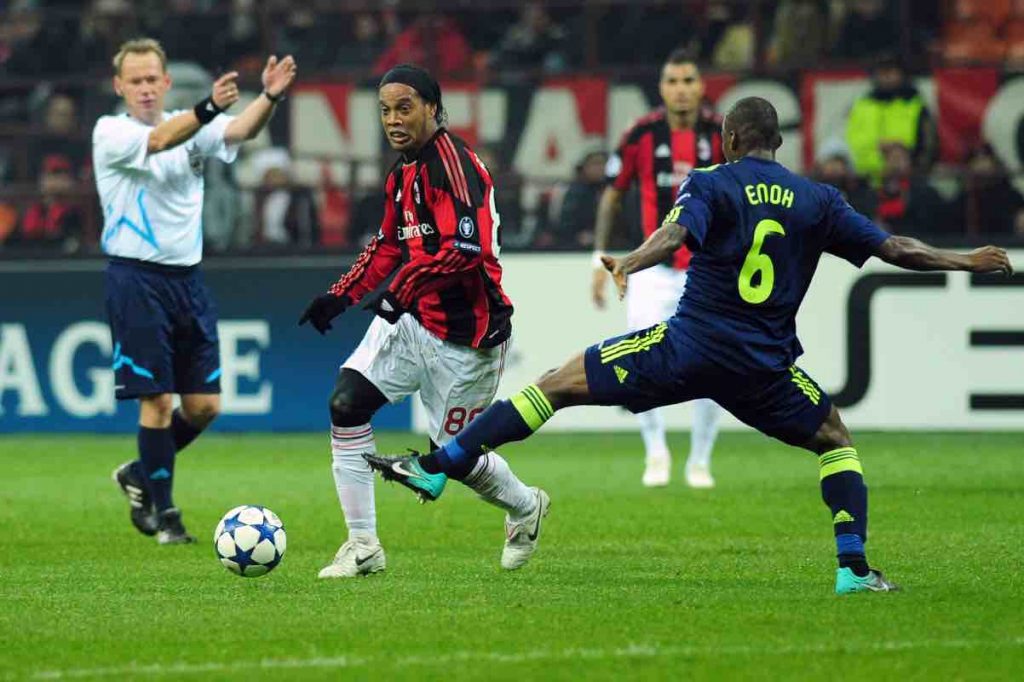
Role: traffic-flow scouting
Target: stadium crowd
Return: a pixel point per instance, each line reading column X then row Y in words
column 54, row 83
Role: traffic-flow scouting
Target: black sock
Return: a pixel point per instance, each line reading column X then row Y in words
column 156, row 452
column 843, row 490
column 855, row 562
column 184, row 432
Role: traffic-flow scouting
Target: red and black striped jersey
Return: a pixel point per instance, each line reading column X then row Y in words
column 441, row 233
column 659, row 159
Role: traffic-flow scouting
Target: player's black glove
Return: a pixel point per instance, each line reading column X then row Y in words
column 322, row 309
column 387, row 306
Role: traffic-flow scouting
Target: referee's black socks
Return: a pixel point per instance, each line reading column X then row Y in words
column 182, row 430
column 156, row 452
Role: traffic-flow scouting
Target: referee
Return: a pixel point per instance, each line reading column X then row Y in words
column 149, row 175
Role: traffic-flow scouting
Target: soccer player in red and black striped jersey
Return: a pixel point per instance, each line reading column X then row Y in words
column 658, row 152
column 443, row 324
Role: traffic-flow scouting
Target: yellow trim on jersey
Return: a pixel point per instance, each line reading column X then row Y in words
column 805, row 385
column 637, row 343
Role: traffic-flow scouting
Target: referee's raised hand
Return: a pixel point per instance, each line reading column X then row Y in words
column 278, row 75
column 225, row 90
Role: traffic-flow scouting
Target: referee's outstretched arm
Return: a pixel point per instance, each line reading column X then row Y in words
column 182, row 127
column 277, row 78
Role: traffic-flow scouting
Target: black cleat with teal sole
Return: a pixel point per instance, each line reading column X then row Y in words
column 405, row 469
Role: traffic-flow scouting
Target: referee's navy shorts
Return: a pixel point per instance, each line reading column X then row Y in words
column 164, row 327
column 656, row 366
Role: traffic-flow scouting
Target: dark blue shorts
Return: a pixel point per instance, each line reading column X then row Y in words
column 164, row 327
column 658, row 366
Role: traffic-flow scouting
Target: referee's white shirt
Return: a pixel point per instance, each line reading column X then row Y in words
column 153, row 203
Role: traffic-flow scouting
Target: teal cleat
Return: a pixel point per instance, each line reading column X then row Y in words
column 406, row 470
column 848, row 582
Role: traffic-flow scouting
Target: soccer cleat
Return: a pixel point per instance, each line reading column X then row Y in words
column 848, row 582
column 657, row 470
column 699, row 477
column 354, row 558
column 405, row 469
column 171, row 531
column 521, row 537
column 134, row 488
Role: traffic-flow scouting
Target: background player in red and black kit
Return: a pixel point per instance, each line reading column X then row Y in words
column 658, row 152
column 443, row 324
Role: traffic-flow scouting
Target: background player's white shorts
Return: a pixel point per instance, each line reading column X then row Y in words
column 455, row 382
column 653, row 295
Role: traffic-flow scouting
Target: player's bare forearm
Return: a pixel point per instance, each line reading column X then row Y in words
column 665, row 241
column 250, row 121
column 913, row 254
column 173, row 132
column 608, row 210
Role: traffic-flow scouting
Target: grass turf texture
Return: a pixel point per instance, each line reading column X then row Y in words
column 629, row 582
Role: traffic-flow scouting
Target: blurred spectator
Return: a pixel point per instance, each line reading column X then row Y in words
column 833, row 166
column 800, row 33
column 434, row 42
column 508, row 189
column 893, row 111
column 644, row 33
column 32, row 44
column 574, row 227
column 105, row 25
column 534, row 42
column 221, row 205
column 242, row 46
column 185, row 33
column 335, row 210
column 906, row 202
column 286, row 213
column 869, row 29
column 364, row 46
column 730, row 39
column 53, row 220
column 988, row 203
column 61, row 133
column 310, row 37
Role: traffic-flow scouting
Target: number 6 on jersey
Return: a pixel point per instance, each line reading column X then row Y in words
column 756, row 262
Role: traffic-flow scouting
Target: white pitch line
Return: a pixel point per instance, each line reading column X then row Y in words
column 629, row 651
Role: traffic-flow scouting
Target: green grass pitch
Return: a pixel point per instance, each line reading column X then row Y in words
column 733, row 583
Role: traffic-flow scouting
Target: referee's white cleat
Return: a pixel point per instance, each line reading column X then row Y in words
column 521, row 536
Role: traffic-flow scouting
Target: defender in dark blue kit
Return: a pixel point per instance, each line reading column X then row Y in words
column 757, row 232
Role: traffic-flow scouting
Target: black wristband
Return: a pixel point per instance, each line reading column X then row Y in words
column 272, row 98
column 206, row 110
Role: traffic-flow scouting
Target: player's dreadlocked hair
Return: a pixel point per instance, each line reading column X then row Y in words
column 756, row 123
column 422, row 82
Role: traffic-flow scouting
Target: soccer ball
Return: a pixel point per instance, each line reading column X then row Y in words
column 250, row 540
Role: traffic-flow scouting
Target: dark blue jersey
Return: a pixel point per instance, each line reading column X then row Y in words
column 757, row 231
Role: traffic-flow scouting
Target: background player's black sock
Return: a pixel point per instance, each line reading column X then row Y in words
column 503, row 422
column 183, row 431
column 843, row 490
column 156, row 452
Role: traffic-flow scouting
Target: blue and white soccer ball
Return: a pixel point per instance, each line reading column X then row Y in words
column 250, row 541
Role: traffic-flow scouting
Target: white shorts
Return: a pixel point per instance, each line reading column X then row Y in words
column 455, row 382
column 653, row 295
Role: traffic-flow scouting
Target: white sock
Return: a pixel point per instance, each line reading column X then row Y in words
column 706, row 414
column 492, row 479
column 652, row 430
column 353, row 479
